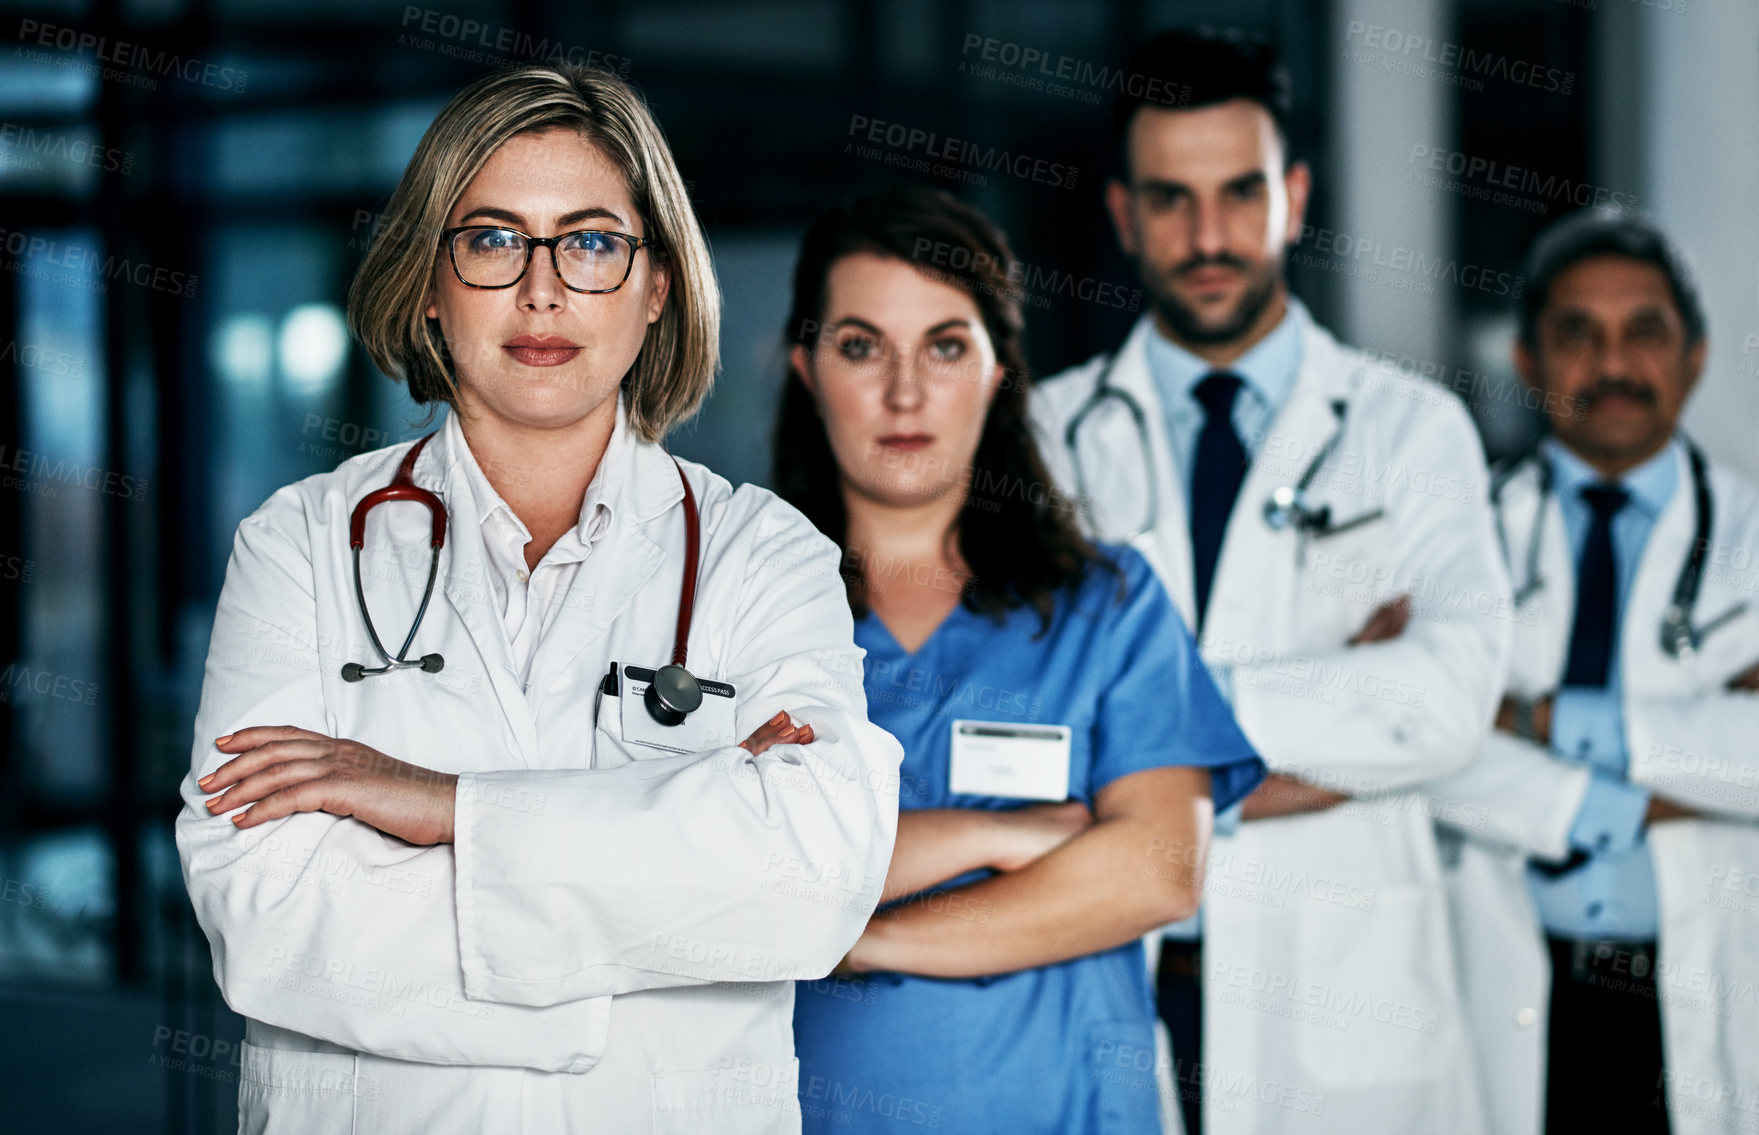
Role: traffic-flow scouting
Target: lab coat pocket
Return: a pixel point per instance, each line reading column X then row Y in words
column 1126, row 1092
column 284, row 1092
column 609, row 749
column 737, row 1097
column 1371, row 1004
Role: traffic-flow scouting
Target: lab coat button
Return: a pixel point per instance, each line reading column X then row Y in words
column 1526, row 1017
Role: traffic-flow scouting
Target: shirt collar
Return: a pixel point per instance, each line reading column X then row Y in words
column 1269, row 368
column 596, row 508
column 1650, row 484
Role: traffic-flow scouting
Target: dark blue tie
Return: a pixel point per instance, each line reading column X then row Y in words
column 1216, row 473
column 1595, row 633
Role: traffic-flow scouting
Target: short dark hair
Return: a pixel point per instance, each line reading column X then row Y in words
column 1017, row 532
column 1590, row 233
column 1201, row 68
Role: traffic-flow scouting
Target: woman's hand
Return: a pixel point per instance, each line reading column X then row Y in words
column 281, row 770
column 1031, row 832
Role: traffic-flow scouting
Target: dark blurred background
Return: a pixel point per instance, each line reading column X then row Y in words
column 186, row 187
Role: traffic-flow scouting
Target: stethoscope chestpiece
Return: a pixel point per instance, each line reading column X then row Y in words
column 1677, row 639
column 1283, row 507
column 429, row 663
column 672, row 695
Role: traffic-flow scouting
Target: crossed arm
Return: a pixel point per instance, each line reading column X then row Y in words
column 1284, row 795
column 280, row 770
column 1070, row 883
column 1530, row 720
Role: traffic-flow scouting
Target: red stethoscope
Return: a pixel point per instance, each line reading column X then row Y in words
column 674, row 692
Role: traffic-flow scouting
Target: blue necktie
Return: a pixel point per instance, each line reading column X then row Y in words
column 1216, row 473
column 1595, row 633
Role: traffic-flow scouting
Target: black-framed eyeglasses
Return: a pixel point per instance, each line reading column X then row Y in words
column 593, row 261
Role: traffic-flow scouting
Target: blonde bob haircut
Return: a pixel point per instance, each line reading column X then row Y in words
column 387, row 302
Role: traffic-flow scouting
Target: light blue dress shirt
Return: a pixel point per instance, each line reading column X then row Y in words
column 1268, row 373
column 1613, row 894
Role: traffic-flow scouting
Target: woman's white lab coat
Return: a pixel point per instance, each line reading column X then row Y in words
column 610, row 943
column 1330, row 995
column 1689, row 738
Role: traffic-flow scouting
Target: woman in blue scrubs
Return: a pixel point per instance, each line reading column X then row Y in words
column 1064, row 747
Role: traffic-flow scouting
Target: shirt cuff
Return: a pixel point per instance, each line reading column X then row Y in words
column 1586, row 723
column 1610, row 821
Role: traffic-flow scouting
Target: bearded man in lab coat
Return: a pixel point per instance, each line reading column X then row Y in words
column 1316, row 991
column 1607, row 876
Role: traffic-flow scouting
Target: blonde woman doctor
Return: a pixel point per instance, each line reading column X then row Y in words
column 501, row 889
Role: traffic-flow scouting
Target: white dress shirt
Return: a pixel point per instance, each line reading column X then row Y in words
column 529, row 599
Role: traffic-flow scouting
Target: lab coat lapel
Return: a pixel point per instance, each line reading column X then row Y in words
column 618, row 567
column 464, row 581
column 1168, row 546
column 1254, row 593
column 1542, row 622
column 1644, row 664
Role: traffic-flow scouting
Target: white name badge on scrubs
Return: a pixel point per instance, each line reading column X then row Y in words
column 999, row 758
column 711, row 726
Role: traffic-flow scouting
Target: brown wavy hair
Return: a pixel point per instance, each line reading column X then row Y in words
column 1016, row 532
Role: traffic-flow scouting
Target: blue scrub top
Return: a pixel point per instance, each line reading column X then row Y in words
column 1063, row 1048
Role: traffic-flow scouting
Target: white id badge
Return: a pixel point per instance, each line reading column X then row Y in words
column 999, row 758
column 711, row 726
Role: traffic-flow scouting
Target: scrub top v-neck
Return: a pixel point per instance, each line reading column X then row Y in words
column 1064, row 1048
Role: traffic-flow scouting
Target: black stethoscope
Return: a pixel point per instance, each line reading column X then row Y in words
column 1680, row 637
column 1286, row 507
column 672, row 695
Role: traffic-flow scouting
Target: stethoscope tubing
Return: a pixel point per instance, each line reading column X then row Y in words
column 675, row 701
column 1279, row 513
column 1679, row 637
